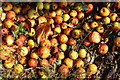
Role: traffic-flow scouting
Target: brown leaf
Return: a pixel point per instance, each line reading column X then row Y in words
column 42, row 32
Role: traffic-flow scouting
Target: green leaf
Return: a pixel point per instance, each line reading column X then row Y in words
column 16, row 27
column 26, row 32
column 15, row 34
column 84, row 7
column 21, row 25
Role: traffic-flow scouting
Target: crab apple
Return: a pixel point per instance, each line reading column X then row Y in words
column 117, row 41
column 80, row 15
column 86, row 42
column 94, row 37
column 92, row 69
column 33, row 62
column 4, row 55
column 19, row 42
column 23, row 60
column 7, row 6
column 73, row 54
column 73, row 13
column 44, row 62
column 63, row 47
column 18, row 68
column 67, row 31
column 68, row 62
column 23, row 51
column 8, row 23
column 58, row 19
column 79, row 63
column 34, row 55
column 63, row 38
column 9, row 40
column 100, row 29
column 71, row 41
column 17, row 9
column 11, row 15
column 43, row 52
column 4, row 31
column 60, row 55
column 103, row 48
column 82, row 53
column 54, row 42
column 90, row 8
column 64, row 70
column 104, row 11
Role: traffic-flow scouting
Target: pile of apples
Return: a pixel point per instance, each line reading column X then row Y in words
column 68, row 40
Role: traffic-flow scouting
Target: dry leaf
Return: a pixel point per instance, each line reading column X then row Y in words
column 42, row 32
